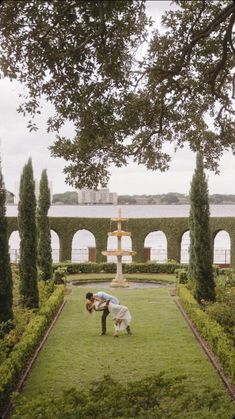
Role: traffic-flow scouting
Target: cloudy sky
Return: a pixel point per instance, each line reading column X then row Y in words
column 17, row 145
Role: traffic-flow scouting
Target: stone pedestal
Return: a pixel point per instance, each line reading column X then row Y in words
column 119, row 281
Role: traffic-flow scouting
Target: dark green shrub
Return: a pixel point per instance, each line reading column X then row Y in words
column 155, row 397
column 108, row 267
column 28, row 239
column 6, row 284
column 182, row 276
column 43, row 224
column 222, row 313
column 93, row 267
column 59, row 275
column 200, row 249
column 11, row 368
column 219, row 342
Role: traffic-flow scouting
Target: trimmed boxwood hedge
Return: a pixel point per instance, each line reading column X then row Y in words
column 12, row 367
column 93, row 267
column 210, row 330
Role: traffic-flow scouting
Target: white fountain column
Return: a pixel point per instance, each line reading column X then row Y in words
column 119, row 280
column 119, row 276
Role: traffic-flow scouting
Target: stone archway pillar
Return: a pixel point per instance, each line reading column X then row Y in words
column 173, row 248
column 66, row 247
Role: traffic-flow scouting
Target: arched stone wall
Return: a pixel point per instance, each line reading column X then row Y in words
column 173, row 228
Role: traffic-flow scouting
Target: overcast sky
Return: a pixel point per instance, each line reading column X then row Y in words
column 17, row 145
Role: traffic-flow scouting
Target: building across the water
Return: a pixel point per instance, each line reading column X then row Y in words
column 92, row 197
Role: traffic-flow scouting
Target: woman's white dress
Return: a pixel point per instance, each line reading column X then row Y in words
column 118, row 312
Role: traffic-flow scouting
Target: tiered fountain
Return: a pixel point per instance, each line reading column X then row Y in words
column 119, row 280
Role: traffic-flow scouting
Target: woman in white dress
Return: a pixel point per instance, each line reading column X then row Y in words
column 120, row 314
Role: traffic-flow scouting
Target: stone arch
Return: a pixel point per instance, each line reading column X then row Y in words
column 221, row 247
column 184, row 247
column 126, row 245
column 82, row 240
column 14, row 246
column 157, row 242
column 173, row 228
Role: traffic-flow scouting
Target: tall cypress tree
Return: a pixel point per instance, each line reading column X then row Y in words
column 201, row 257
column 6, row 312
column 44, row 234
column 28, row 238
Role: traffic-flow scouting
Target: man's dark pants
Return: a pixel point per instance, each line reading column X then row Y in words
column 103, row 320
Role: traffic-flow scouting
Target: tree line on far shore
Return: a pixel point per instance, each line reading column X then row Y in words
column 174, row 198
column 71, row 198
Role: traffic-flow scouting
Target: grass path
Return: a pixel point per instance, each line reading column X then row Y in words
column 75, row 353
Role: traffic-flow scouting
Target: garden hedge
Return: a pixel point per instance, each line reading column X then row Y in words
column 12, row 368
column 93, row 267
column 173, row 228
column 210, row 330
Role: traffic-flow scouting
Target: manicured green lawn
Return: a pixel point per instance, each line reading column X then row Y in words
column 75, row 353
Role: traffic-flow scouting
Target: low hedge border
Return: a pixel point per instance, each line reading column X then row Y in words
column 93, row 267
column 210, row 330
column 12, row 367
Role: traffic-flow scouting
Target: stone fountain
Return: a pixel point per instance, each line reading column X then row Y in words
column 119, row 280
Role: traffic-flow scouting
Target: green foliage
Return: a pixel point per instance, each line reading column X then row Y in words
column 44, row 233
column 224, row 310
column 150, row 267
column 182, row 276
column 28, row 238
column 223, row 314
column 59, row 275
column 80, row 54
column 6, row 296
column 212, row 332
column 170, row 198
column 72, row 268
column 201, row 256
column 155, row 397
column 173, row 228
column 189, row 77
column 190, row 73
column 12, row 366
column 45, row 288
column 66, row 198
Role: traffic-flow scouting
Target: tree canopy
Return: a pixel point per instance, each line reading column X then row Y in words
column 81, row 56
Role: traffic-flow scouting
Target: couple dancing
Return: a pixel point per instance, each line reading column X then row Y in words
column 101, row 301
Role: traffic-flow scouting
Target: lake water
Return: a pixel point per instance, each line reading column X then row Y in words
column 129, row 211
column 155, row 240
